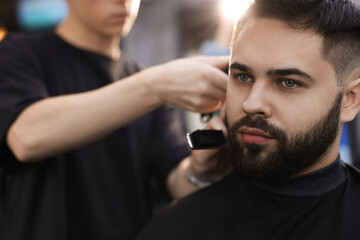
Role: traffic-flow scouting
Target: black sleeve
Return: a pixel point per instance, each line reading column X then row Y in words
column 21, row 82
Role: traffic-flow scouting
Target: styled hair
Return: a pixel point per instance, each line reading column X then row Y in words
column 338, row 21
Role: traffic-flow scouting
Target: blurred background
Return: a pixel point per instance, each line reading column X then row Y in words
column 163, row 31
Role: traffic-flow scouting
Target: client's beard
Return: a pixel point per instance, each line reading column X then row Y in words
column 258, row 163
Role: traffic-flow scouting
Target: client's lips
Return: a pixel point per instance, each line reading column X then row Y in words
column 255, row 136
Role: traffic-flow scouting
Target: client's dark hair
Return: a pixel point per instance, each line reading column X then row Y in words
column 338, row 21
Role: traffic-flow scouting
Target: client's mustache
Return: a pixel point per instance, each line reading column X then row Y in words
column 256, row 122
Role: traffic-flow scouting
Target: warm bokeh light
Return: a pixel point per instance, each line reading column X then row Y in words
column 233, row 9
column 3, row 32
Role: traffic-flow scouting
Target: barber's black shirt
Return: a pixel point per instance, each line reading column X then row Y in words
column 99, row 191
column 321, row 205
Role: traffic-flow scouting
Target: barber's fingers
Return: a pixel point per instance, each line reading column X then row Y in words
column 209, row 90
column 217, row 77
column 194, row 84
column 205, row 96
column 211, row 83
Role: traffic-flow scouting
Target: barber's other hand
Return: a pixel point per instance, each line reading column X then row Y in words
column 210, row 165
column 196, row 84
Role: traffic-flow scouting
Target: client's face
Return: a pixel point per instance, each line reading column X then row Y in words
column 286, row 158
column 283, row 102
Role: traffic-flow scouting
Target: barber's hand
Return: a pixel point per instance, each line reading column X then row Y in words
column 210, row 165
column 196, row 84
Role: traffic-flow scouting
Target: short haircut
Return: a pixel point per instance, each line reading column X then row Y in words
column 337, row 21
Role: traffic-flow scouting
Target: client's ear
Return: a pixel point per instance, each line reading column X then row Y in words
column 351, row 98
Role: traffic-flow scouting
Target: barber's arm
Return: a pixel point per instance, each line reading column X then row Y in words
column 58, row 124
column 201, row 168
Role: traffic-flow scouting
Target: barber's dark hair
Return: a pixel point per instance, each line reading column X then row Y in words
column 338, row 21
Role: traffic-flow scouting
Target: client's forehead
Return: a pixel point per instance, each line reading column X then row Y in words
column 264, row 44
column 273, row 33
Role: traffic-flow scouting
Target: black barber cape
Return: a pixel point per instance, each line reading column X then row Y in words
column 100, row 191
column 322, row 205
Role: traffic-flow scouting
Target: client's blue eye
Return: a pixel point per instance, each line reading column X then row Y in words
column 244, row 77
column 290, row 83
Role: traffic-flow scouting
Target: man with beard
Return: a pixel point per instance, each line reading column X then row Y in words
column 294, row 81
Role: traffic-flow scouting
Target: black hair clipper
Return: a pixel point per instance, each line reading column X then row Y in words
column 205, row 139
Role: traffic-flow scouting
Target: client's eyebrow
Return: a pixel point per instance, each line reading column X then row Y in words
column 241, row 67
column 289, row 71
column 273, row 72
